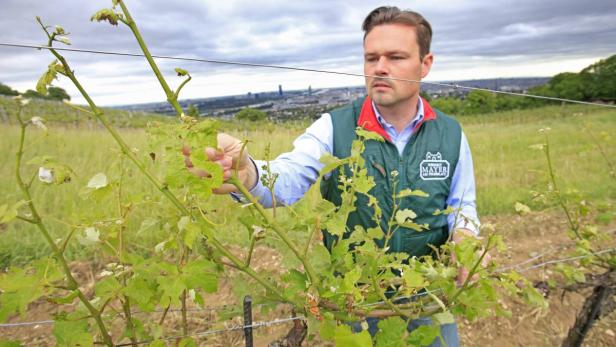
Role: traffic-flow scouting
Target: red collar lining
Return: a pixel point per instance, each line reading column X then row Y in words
column 367, row 118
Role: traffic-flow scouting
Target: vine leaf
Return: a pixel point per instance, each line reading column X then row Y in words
column 181, row 72
column 521, row 209
column 423, row 335
column 201, row 274
column 107, row 15
column 409, row 192
column 343, row 336
column 98, row 181
column 391, row 332
column 72, row 333
column 8, row 213
column 369, row 135
column 47, row 77
column 90, row 236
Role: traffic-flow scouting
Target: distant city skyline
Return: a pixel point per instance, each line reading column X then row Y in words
column 472, row 40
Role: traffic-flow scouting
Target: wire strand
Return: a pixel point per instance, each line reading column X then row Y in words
column 24, row 324
column 295, row 68
column 564, row 260
column 220, row 331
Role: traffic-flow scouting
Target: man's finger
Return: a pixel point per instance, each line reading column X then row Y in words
column 213, row 154
column 226, row 188
column 486, row 260
column 188, row 162
column 186, row 150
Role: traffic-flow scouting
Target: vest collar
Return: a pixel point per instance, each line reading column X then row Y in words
column 367, row 118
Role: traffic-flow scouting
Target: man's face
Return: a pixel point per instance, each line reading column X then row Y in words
column 391, row 50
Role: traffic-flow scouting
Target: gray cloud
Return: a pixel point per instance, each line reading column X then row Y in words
column 319, row 34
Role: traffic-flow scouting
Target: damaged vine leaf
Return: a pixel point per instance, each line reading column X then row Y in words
column 107, row 15
column 49, row 76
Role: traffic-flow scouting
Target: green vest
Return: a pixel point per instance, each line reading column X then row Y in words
column 427, row 163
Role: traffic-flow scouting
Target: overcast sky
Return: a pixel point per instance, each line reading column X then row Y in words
column 472, row 39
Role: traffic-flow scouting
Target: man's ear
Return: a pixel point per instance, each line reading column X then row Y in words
column 426, row 64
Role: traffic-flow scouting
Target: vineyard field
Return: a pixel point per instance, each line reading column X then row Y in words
column 507, row 170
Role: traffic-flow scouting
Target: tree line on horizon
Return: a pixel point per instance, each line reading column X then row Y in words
column 53, row 93
column 596, row 82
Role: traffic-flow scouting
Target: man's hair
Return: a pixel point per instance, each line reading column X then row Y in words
column 393, row 15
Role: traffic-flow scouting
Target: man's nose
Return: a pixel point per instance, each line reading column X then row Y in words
column 381, row 67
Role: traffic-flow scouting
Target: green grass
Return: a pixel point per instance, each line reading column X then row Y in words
column 506, row 170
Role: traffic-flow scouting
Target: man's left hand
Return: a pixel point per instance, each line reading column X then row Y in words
column 463, row 272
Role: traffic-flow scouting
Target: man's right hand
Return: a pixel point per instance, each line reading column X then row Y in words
column 227, row 155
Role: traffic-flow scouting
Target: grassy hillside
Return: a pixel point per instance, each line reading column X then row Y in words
column 59, row 113
column 506, row 168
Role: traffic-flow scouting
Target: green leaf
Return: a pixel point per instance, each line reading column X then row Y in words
column 67, row 299
column 415, row 226
column 98, row 181
column 443, row 318
column 60, row 30
column 369, row 135
column 201, row 274
column 21, row 286
column 72, row 333
column 413, row 279
column 446, row 211
column 142, row 292
column 187, row 342
column 296, row 281
column 107, row 288
column 409, row 192
column 8, row 213
column 47, row 78
column 171, row 287
column 521, row 209
column 330, row 163
column 52, row 171
column 105, row 14
column 404, row 218
column 148, row 224
column 190, row 234
column 404, row 215
column 89, row 237
column 319, row 258
column 183, row 222
column 344, row 336
column 181, row 72
column 363, row 182
column 375, row 233
column 391, row 332
column 424, row 335
column 63, row 39
column 327, row 329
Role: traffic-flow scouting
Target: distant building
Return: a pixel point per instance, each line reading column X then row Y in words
column 280, row 89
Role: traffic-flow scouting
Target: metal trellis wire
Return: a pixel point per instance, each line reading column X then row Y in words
column 296, row 68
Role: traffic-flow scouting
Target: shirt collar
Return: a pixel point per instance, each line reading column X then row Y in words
column 418, row 117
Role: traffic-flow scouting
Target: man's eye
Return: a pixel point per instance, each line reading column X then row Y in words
column 370, row 59
column 397, row 57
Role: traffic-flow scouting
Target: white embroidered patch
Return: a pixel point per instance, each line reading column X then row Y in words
column 434, row 167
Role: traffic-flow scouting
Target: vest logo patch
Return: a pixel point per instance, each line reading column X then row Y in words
column 434, row 167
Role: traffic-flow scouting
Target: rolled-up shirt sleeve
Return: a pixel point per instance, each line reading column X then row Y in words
column 299, row 169
column 462, row 192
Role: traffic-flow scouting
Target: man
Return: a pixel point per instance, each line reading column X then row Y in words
column 427, row 149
